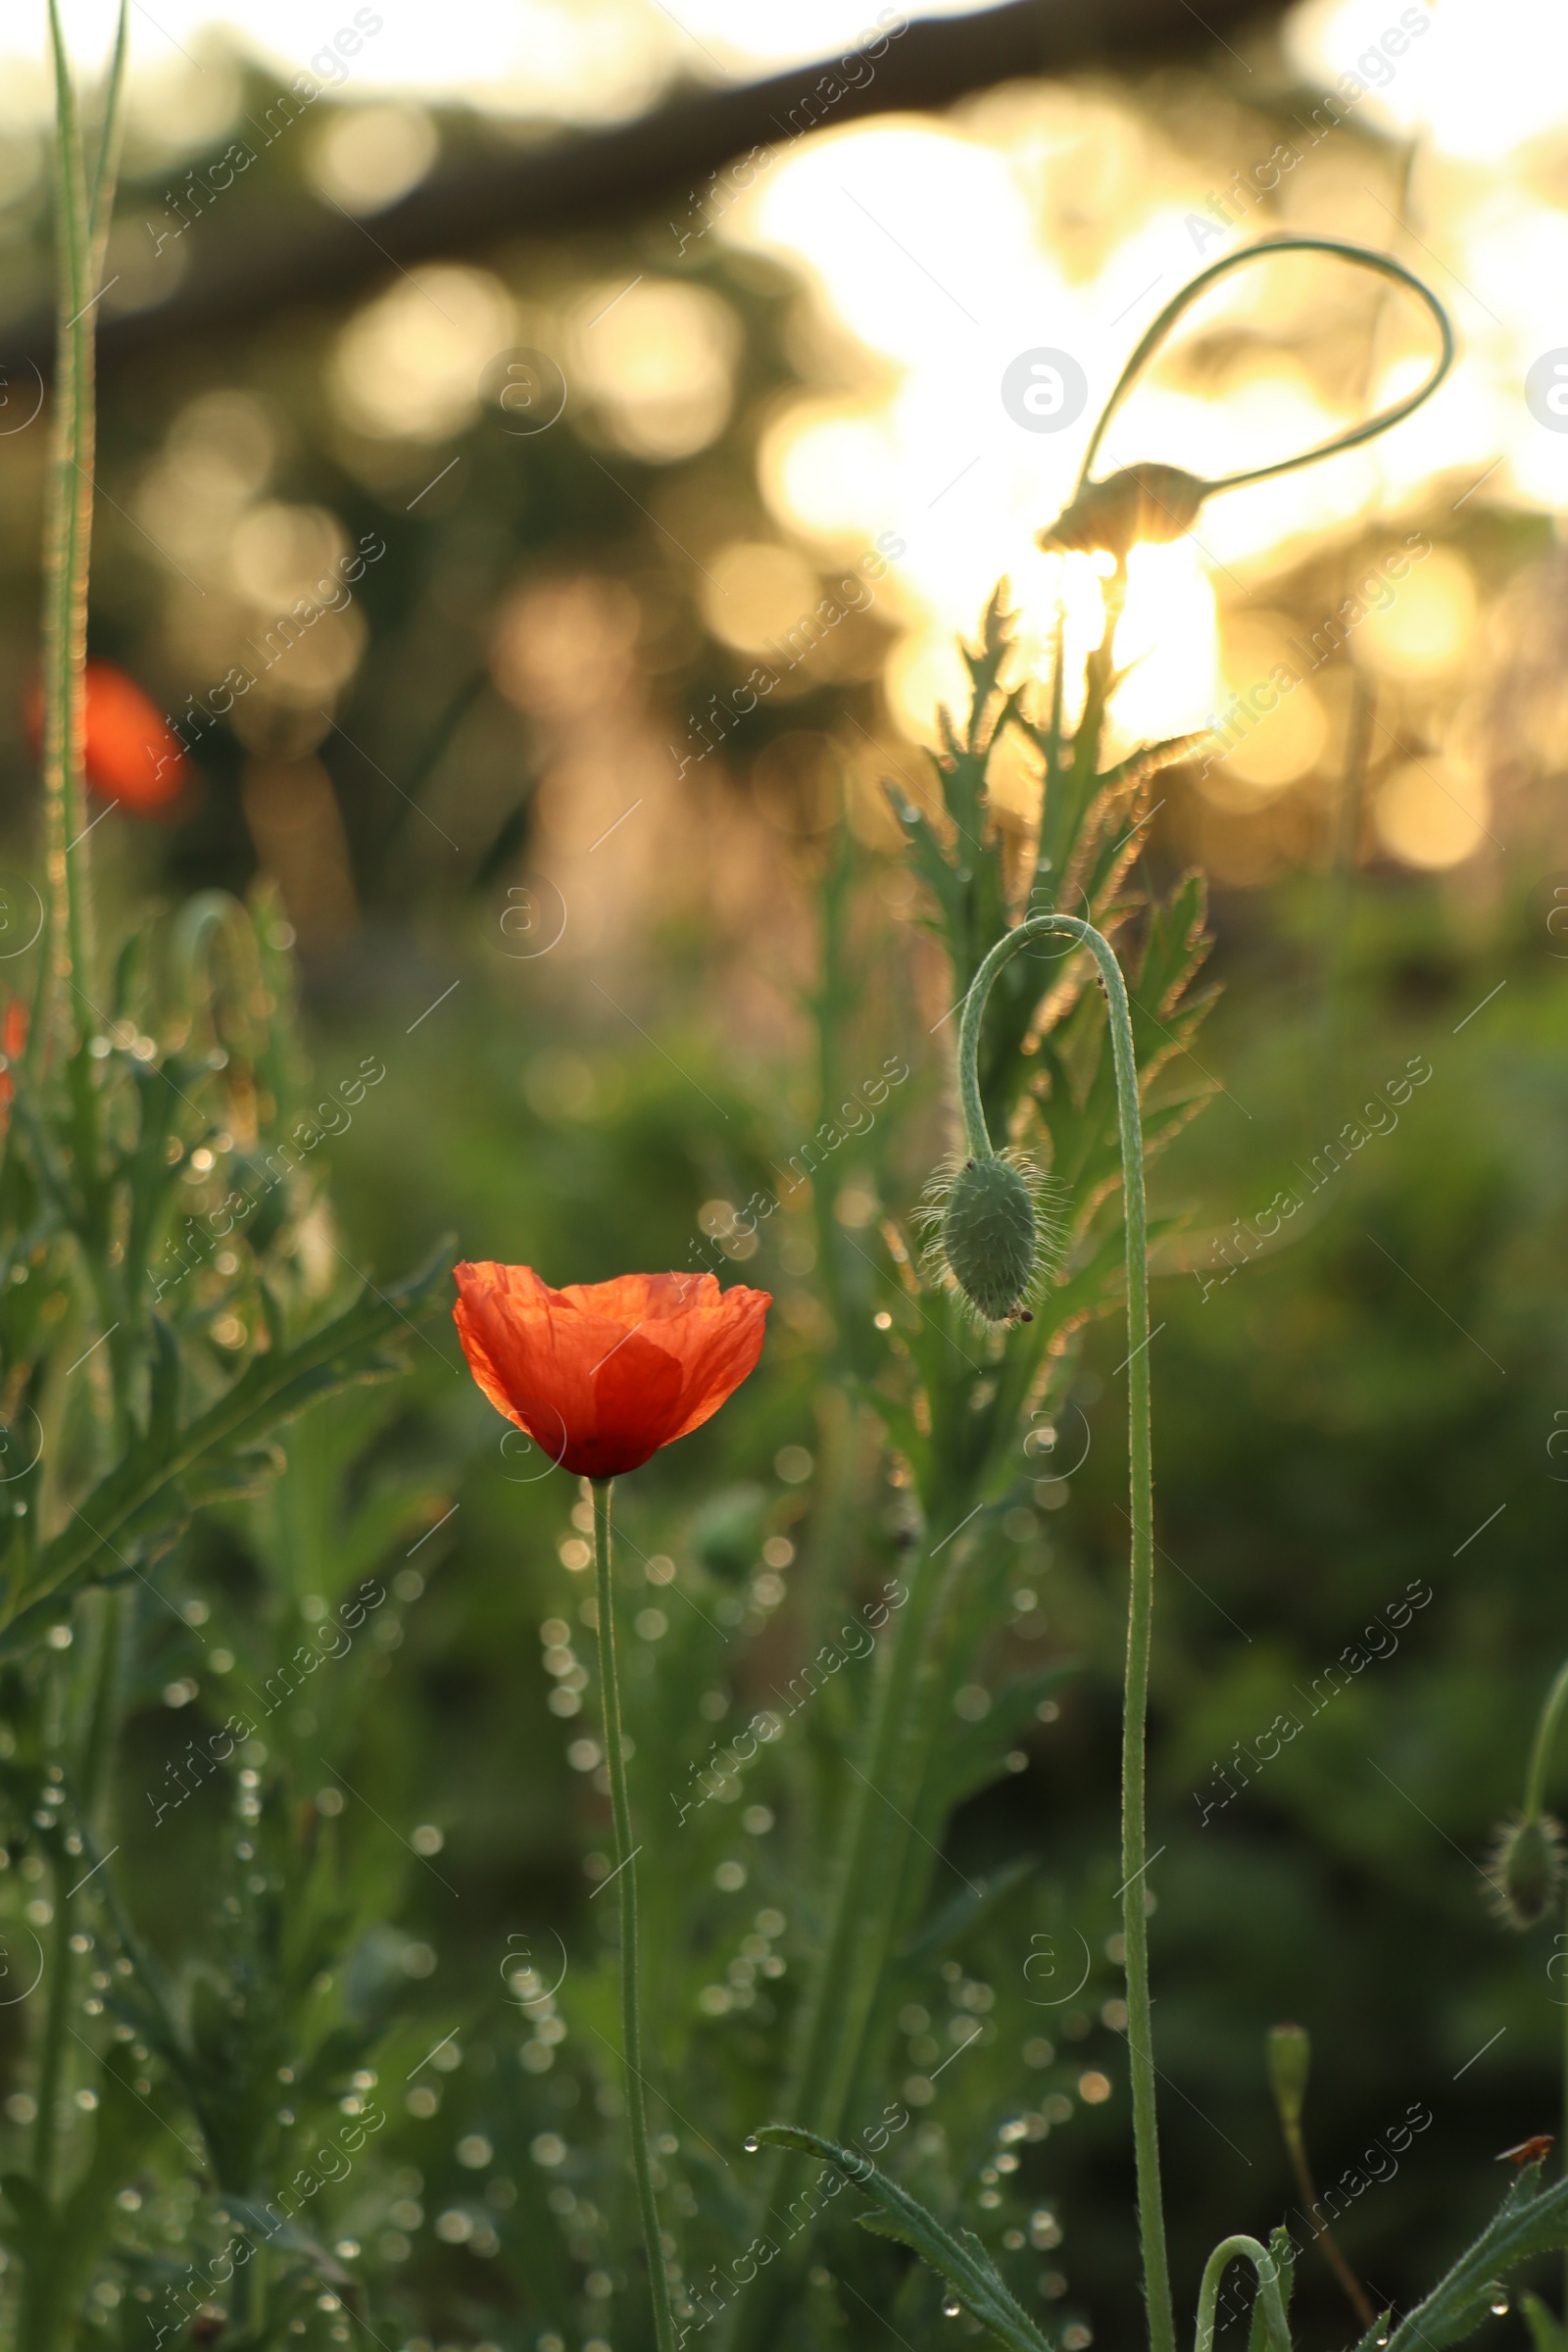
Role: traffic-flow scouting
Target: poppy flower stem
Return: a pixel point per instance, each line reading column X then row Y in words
column 627, row 1879
column 1547, row 1726
column 1141, row 1581
column 83, row 202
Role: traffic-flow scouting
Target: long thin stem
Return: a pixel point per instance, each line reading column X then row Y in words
column 863, row 1909
column 868, row 1869
column 1268, row 2289
column 1296, row 2149
column 626, row 1874
column 68, row 491
column 1547, row 1725
column 1140, row 1592
column 1359, row 257
column 1565, row 2129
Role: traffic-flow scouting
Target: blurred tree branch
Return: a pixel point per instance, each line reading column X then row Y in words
column 289, row 251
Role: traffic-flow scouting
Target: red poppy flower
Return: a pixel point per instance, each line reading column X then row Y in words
column 13, row 1044
column 129, row 752
column 603, row 1373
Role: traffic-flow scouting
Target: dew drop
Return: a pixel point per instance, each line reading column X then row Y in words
column 1499, row 2305
column 951, row 2307
column 751, row 2143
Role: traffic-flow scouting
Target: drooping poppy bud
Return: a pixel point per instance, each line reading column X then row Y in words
column 1525, row 1870
column 1153, row 504
column 986, row 1225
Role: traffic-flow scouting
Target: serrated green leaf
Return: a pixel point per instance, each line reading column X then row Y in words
column 217, row 1452
column 1282, row 2247
column 1528, row 2222
column 973, row 1755
column 964, row 1912
column 964, row 2263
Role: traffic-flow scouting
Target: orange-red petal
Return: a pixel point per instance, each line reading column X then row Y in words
column 603, row 1374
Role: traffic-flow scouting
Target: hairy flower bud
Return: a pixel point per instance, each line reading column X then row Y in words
column 986, row 1227
column 1525, row 1870
column 1149, row 502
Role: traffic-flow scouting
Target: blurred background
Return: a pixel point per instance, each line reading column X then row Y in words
column 586, row 427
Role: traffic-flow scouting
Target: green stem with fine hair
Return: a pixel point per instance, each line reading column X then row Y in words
column 1546, row 1728
column 1268, row 2288
column 81, row 228
column 1141, row 1594
column 626, row 1873
column 1547, row 1725
column 1359, row 257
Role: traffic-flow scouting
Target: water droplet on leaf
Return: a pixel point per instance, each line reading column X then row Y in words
column 751, row 2143
column 951, row 2307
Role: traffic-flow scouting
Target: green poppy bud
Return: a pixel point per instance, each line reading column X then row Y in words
column 984, row 1219
column 1525, row 1870
column 1289, row 2062
column 989, row 1236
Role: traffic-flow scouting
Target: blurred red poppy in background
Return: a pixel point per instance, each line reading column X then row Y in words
column 13, row 1040
column 131, row 754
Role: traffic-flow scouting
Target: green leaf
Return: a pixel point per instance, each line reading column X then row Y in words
column 1528, row 2222
column 964, row 2262
column 1546, row 2332
column 156, row 1487
column 966, row 1911
column 1282, row 2250
column 973, row 1755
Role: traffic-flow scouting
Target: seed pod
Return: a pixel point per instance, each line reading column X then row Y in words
column 1289, row 2062
column 1149, row 503
column 1525, row 1870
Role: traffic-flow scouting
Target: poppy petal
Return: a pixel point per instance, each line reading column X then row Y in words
column 603, row 1374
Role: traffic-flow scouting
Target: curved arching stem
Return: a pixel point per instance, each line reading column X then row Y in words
column 1359, row 257
column 1546, row 1730
column 1276, row 2325
column 1141, row 1592
column 1547, row 1725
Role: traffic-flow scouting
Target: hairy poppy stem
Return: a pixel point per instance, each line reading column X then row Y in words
column 83, row 206
column 631, row 2030
column 1141, row 1582
column 1276, row 2327
column 1548, row 1727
